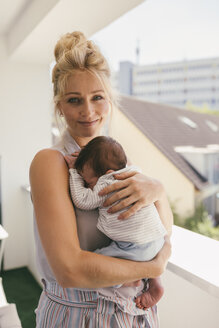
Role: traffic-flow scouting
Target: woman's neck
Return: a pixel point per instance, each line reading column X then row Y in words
column 82, row 141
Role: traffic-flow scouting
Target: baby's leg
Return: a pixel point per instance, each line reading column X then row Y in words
column 152, row 295
column 154, row 291
column 120, row 249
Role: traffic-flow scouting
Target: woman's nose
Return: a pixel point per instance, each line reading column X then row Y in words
column 87, row 108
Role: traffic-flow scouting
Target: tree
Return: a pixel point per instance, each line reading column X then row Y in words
column 199, row 222
column 204, row 109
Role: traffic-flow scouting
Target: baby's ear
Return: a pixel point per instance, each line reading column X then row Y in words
column 109, row 171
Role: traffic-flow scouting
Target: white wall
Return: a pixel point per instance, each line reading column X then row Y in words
column 186, row 306
column 30, row 237
column 25, row 106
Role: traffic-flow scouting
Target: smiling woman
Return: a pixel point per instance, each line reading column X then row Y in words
column 76, row 280
column 84, row 106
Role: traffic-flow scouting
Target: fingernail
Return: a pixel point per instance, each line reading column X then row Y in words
column 109, row 210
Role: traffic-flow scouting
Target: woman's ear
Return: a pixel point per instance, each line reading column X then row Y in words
column 59, row 107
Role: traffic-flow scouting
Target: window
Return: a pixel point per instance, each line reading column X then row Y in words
column 198, row 67
column 188, row 122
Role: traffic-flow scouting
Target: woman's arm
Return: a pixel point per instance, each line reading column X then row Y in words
column 57, row 227
column 165, row 212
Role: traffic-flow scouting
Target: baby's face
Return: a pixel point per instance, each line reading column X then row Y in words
column 88, row 175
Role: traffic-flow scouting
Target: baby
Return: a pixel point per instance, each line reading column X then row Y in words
column 140, row 237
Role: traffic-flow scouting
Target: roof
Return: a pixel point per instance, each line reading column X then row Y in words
column 161, row 124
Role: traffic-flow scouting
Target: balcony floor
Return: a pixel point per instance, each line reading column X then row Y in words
column 22, row 289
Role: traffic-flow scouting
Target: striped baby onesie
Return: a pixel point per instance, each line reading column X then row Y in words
column 142, row 227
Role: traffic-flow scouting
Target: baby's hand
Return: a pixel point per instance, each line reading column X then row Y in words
column 71, row 159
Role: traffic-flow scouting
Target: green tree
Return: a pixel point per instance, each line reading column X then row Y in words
column 198, row 222
column 204, row 109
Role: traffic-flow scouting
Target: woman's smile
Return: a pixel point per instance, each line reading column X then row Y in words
column 88, row 123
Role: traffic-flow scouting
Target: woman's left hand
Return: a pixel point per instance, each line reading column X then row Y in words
column 134, row 190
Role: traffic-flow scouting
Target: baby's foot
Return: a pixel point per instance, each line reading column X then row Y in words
column 144, row 301
column 147, row 299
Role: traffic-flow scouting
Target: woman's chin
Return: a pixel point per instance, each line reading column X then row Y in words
column 86, row 133
column 92, row 133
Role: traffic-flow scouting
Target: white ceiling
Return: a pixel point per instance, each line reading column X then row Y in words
column 9, row 11
column 31, row 27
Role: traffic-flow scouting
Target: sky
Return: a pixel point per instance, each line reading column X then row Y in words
column 167, row 30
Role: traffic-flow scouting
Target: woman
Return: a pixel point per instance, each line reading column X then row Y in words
column 75, row 279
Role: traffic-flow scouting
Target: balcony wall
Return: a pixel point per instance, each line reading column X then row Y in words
column 184, row 305
column 25, row 127
column 191, row 282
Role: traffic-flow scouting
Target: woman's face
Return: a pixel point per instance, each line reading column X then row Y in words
column 84, row 106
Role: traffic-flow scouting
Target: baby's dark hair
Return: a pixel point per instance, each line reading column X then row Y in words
column 102, row 154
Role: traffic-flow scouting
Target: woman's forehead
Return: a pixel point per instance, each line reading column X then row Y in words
column 83, row 82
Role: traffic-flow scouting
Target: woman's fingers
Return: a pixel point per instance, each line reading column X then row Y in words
column 119, row 195
column 133, row 209
column 120, row 206
column 68, row 159
column 128, row 201
column 128, row 195
column 125, row 175
column 75, row 154
column 132, row 190
column 114, row 187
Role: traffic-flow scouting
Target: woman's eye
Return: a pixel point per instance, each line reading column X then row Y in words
column 97, row 97
column 74, row 100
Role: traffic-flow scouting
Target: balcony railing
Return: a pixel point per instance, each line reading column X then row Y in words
column 191, row 282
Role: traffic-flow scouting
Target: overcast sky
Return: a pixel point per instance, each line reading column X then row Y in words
column 167, row 30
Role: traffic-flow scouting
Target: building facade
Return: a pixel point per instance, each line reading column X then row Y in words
column 180, row 84
column 176, row 146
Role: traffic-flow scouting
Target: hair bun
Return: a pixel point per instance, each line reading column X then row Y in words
column 68, row 42
column 74, row 52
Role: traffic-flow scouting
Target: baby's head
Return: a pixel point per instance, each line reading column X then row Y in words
column 98, row 157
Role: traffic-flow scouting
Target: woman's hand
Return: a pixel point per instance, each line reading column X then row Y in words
column 135, row 190
column 71, row 159
column 162, row 257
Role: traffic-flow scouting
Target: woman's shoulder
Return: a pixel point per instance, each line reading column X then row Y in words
column 47, row 160
column 47, row 154
column 48, row 173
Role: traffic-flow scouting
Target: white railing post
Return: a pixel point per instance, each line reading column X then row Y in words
column 3, row 236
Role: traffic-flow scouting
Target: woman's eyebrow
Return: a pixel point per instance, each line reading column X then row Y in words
column 101, row 90
column 78, row 93
column 70, row 93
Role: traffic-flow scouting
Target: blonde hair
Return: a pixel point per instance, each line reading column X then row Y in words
column 74, row 52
